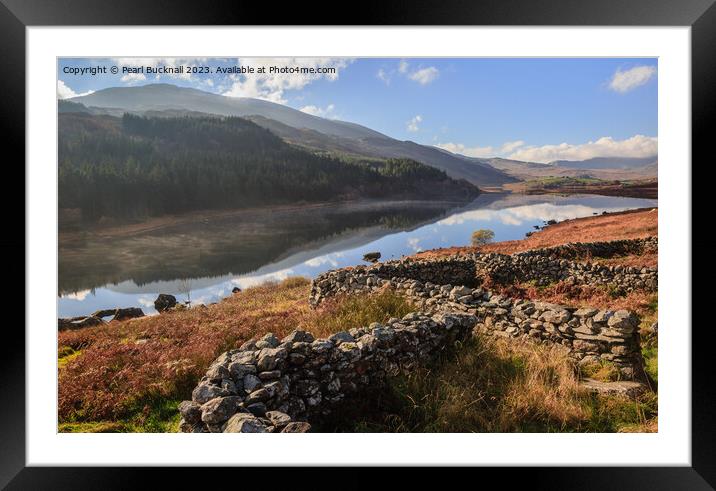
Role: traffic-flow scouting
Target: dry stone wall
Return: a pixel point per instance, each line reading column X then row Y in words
column 607, row 249
column 541, row 266
column 545, row 266
column 273, row 385
column 588, row 335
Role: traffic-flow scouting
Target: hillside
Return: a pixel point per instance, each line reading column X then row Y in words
column 137, row 166
column 606, row 163
column 299, row 127
column 632, row 224
column 592, row 168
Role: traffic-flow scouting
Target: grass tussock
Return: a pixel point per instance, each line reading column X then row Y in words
column 136, row 371
column 491, row 385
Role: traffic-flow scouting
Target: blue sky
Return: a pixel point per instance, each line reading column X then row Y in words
column 530, row 109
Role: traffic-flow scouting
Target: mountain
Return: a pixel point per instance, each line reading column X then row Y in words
column 598, row 168
column 606, row 163
column 158, row 97
column 137, row 166
column 303, row 129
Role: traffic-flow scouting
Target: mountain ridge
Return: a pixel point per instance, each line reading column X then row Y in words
column 362, row 140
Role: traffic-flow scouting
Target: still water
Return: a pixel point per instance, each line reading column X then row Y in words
column 202, row 261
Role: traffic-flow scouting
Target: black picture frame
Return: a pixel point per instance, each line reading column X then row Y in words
column 16, row 15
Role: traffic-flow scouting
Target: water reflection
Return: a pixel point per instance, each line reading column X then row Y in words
column 205, row 261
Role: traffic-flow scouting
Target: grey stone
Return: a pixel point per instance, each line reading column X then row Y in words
column 278, row 419
column 298, row 336
column 245, row 423
column 341, row 337
column 258, row 395
column 297, row 427
column 164, row 302
column 251, row 382
column 218, row 372
column 190, row 411
column 239, row 370
column 257, row 408
column 271, row 375
column 204, row 392
column 271, row 340
column 218, row 410
column 585, row 312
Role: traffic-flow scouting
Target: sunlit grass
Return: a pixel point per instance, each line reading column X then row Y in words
column 492, row 385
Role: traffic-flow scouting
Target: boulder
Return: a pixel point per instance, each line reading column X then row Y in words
column 218, row 410
column 622, row 388
column 278, row 419
column 298, row 336
column 245, row 423
column 128, row 313
column 622, row 321
column 190, row 411
column 371, row 257
column 268, row 341
column 341, row 337
column 204, row 392
column 297, row 427
column 165, row 302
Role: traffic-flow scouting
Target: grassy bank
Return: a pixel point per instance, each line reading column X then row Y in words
column 130, row 376
column 632, row 224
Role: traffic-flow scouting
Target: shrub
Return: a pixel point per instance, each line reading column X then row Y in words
column 482, row 237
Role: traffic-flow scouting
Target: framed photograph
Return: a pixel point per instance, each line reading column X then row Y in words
column 427, row 239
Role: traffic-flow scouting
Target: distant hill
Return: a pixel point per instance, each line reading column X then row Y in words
column 606, row 163
column 598, row 168
column 137, row 166
column 311, row 132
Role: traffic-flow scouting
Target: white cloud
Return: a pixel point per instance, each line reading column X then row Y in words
column 508, row 147
column 424, row 75
column 488, row 151
column 624, row 81
column 384, row 76
column 133, row 78
column 271, row 86
column 412, row 125
column 64, row 92
column 638, row 146
column 461, row 149
column 421, row 75
column 326, row 112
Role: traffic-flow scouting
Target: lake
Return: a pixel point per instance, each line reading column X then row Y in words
column 203, row 260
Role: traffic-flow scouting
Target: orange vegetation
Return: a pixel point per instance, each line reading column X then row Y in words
column 613, row 226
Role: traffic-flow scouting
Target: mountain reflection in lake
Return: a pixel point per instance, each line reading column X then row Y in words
column 205, row 259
